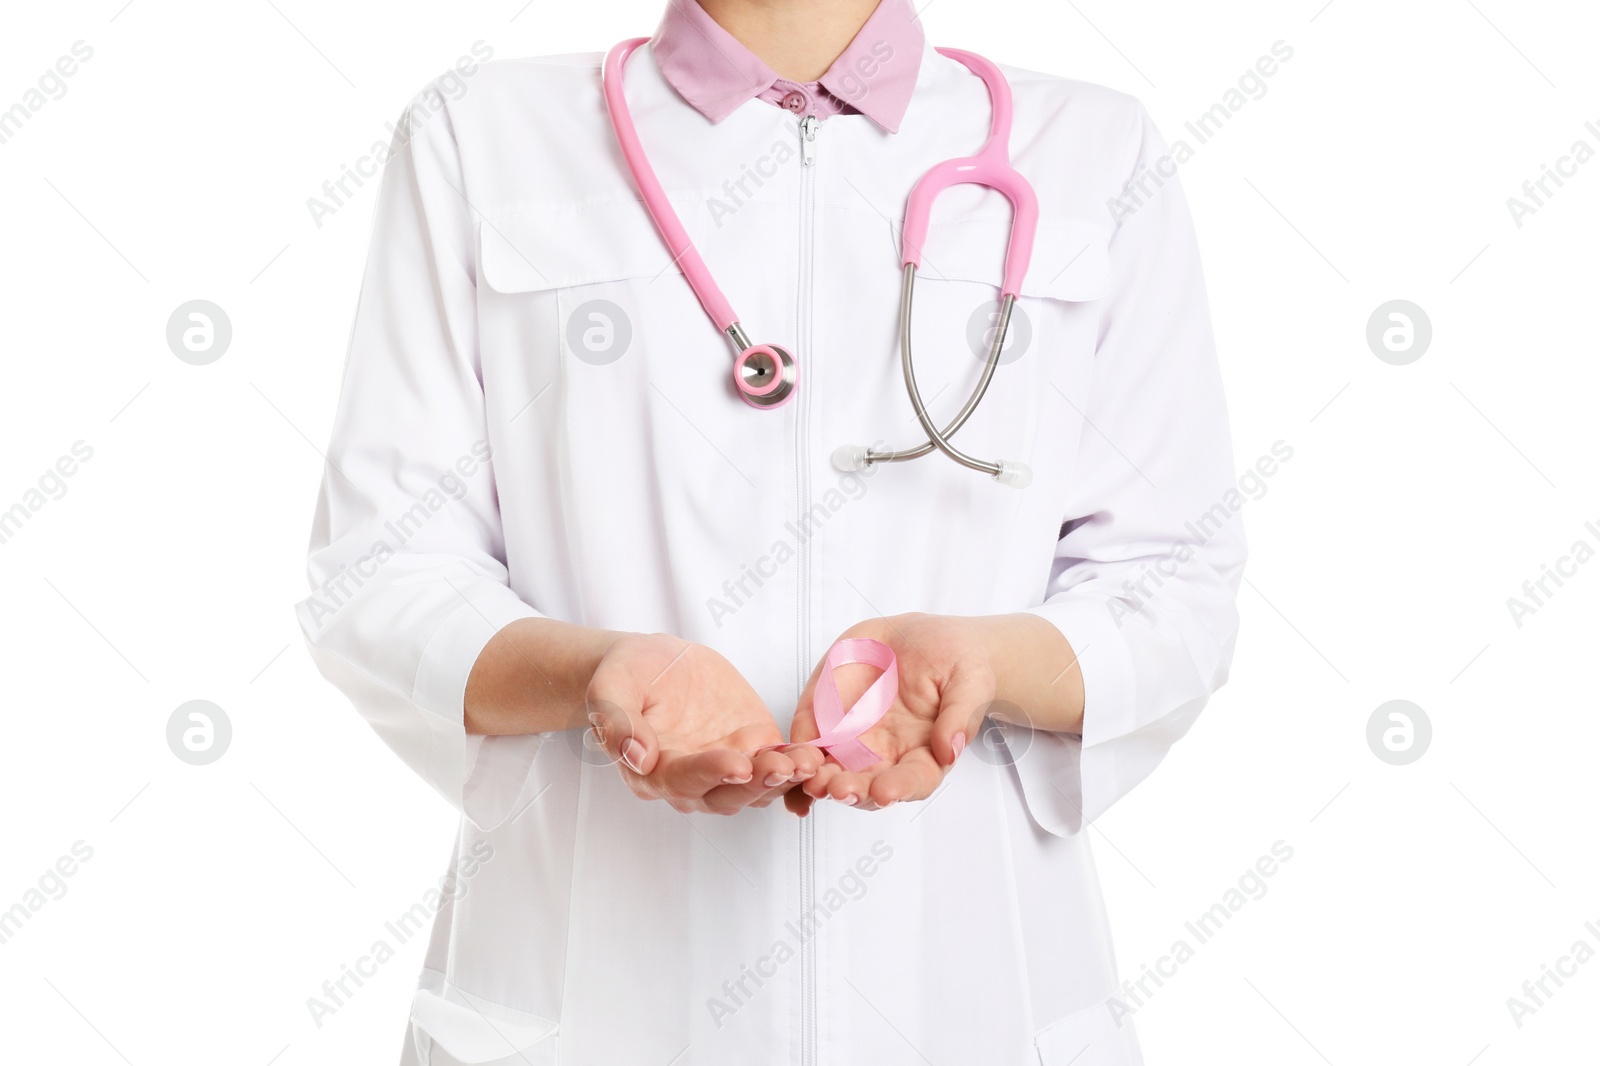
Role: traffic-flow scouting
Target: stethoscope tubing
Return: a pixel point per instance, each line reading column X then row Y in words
column 938, row 438
column 684, row 253
column 766, row 376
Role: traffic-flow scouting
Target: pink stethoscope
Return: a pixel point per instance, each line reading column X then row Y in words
column 766, row 375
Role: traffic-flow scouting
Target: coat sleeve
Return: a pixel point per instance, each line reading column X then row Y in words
column 1152, row 549
column 407, row 562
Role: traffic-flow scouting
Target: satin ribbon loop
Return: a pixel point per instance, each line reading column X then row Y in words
column 841, row 730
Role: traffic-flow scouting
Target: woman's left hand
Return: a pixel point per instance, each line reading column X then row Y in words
column 947, row 682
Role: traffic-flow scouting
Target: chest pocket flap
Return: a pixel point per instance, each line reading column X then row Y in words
column 1071, row 259
column 561, row 245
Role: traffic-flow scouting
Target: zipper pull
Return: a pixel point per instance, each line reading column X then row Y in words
column 808, row 139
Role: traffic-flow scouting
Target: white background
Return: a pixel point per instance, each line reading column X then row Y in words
column 1419, row 498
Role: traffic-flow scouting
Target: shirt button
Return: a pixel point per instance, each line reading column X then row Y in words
column 794, row 101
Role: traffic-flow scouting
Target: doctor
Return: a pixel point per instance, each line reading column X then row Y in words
column 585, row 591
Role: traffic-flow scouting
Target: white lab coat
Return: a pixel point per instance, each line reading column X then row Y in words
column 641, row 494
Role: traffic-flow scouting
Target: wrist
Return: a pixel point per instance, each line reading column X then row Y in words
column 1035, row 668
column 533, row 676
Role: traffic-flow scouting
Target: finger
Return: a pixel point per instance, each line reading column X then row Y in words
column 915, row 777
column 811, row 762
column 849, row 788
column 962, row 703
column 772, row 768
column 817, row 787
column 690, row 775
column 617, row 715
column 731, row 799
column 807, row 759
column 771, row 773
column 706, row 805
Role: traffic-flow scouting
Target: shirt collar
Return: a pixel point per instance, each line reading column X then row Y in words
column 716, row 74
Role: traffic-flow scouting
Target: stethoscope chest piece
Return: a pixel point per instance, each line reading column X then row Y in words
column 765, row 375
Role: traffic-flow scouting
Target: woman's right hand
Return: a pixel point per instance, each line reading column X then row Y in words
column 684, row 726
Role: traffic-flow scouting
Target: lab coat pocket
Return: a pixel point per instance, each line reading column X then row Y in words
column 1054, row 325
column 1045, row 365
column 604, row 379
column 562, row 245
column 577, row 287
column 584, row 307
column 1091, row 1037
column 454, row 1028
column 1071, row 259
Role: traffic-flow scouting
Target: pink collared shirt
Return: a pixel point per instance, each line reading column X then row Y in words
column 711, row 70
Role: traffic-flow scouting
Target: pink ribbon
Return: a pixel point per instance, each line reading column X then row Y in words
column 841, row 730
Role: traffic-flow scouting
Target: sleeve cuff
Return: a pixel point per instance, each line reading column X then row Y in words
column 494, row 772
column 1104, row 659
column 1068, row 781
column 452, row 651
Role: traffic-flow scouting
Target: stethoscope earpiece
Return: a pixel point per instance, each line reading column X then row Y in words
column 852, row 458
column 1014, row 475
column 849, row 458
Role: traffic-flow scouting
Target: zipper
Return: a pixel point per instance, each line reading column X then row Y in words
column 806, row 352
column 808, row 142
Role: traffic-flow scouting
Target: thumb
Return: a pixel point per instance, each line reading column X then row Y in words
column 803, row 727
column 616, row 712
column 963, row 701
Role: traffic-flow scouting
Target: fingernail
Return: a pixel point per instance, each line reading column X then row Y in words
column 772, row 780
column 957, row 743
column 633, row 755
column 731, row 780
column 850, row 800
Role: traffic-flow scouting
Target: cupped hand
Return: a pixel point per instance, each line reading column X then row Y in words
column 947, row 682
column 684, row 726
